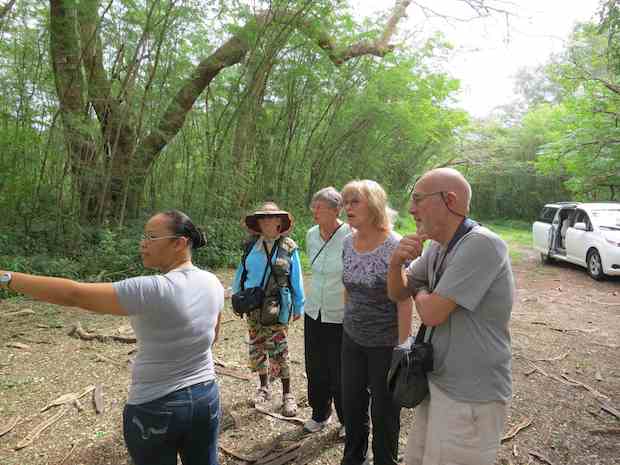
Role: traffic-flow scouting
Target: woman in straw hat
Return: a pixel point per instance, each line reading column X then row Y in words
column 271, row 261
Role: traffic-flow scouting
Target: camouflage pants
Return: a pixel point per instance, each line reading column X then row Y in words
column 268, row 349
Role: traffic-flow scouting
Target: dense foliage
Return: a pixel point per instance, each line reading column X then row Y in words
column 77, row 120
column 113, row 110
column 561, row 139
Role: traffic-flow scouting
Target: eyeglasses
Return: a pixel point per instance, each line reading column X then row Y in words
column 148, row 237
column 417, row 197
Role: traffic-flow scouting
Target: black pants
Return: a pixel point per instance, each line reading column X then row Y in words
column 323, row 343
column 364, row 373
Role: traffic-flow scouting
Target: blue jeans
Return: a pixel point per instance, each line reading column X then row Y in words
column 184, row 422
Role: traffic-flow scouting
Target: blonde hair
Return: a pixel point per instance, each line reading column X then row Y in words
column 381, row 215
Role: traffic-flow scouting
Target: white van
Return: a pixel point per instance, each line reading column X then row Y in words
column 587, row 234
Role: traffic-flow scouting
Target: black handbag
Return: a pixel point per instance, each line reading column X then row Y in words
column 247, row 300
column 407, row 379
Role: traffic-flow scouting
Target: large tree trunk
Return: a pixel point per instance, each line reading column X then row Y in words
column 110, row 158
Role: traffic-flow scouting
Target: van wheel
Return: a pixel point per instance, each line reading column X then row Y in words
column 545, row 259
column 595, row 266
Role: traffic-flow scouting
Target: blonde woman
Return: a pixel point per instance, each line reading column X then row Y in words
column 371, row 325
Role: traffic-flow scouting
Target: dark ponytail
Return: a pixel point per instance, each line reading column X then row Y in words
column 182, row 226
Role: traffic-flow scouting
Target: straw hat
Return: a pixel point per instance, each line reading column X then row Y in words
column 268, row 209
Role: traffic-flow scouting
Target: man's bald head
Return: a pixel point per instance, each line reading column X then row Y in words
column 448, row 180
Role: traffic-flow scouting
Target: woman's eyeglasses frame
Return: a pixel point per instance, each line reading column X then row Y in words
column 147, row 237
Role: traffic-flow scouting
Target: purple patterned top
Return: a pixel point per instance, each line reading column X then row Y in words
column 370, row 317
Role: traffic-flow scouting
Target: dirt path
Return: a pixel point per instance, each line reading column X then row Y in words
column 566, row 335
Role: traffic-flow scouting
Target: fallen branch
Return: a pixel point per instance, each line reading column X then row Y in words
column 237, row 455
column 12, row 423
column 289, row 457
column 586, row 387
column 297, row 420
column 605, row 431
column 610, row 304
column 98, row 398
column 40, row 428
column 515, row 429
column 568, row 330
column 610, row 409
column 66, row 457
column 67, row 398
column 539, row 456
column 25, row 311
column 552, row 359
column 78, row 405
column 552, row 376
column 78, row 331
column 610, row 346
column 32, row 341
column 18, row 345
column 232, row 373
column 274, row 455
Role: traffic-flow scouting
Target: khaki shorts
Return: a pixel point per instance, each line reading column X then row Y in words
column 449, row 432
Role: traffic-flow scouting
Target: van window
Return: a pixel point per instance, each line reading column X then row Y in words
column 547, row 214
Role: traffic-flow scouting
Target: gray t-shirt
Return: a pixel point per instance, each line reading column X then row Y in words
column 370, row 317
column 472, row 352
column 174, row 318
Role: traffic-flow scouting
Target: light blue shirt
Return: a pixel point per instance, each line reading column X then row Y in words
column 326, row 289
column 255, row 264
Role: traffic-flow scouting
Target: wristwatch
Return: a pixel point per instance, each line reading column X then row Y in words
column 5, row 279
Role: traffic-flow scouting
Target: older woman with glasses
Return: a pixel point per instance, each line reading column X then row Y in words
column 173, row 405
column 324, row 309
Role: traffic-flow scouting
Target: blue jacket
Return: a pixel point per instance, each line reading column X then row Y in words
column 255, row 264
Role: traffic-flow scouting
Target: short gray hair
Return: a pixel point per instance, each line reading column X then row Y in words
column 330, row 196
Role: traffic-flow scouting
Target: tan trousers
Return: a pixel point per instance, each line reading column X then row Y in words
column 448, row 432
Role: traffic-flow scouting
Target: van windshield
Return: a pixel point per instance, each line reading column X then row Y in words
column 606, row 218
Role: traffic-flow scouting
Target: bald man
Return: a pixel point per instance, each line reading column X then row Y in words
column 463, row 288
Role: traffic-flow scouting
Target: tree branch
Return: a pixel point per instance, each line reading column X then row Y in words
column 5, row 10
column 233, row 52
column 378, row 47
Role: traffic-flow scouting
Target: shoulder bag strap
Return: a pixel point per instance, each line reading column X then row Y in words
column 466, row 226
column 246, row 252
column 269, row 258
column 329, row 239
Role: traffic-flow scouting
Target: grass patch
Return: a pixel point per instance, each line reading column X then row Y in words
column 517, row 234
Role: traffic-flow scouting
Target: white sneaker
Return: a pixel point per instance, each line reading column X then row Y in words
column 313, row 426
column 289, row 406
column 263, row 395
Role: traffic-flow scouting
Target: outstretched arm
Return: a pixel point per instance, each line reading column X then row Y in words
column 95, row 297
